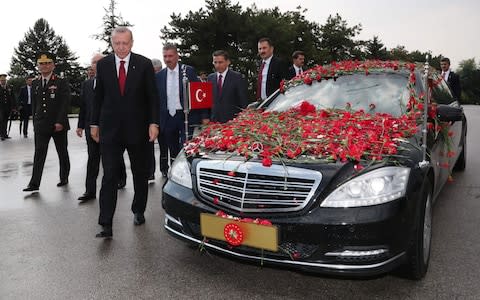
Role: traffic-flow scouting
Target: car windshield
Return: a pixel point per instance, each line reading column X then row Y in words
column 381, row 92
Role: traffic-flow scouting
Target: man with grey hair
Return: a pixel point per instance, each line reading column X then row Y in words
column 125, row 116
column 87, row 95
column 157, row 65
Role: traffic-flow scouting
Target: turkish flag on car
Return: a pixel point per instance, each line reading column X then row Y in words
column 200, row 95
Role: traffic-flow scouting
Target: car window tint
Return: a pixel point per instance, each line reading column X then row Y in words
column 388, row 92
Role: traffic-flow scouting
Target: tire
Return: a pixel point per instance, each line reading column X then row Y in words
column 462, row 158
column 418, row 254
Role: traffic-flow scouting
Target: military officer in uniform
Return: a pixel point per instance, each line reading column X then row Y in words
column 6, row 105
column 51, row 99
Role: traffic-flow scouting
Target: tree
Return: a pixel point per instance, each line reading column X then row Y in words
column 110, row 21
column 375, row 49
column 336, row 39
column 227, row 26
column 43, row 38
column 470, row 81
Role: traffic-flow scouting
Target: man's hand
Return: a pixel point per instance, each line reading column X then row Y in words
column 205, row 121
column 95, row 133
column 153, row 132
column 80, row 132
column 58, row 127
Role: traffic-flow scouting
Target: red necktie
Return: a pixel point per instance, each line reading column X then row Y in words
column 219, row 85
column 259, row 83
column 122, row 77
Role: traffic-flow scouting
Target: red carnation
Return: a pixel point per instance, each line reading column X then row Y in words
column 306, row 107
column 267, row 162
column 307, row 80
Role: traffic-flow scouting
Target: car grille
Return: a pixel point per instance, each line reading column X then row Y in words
column 256, row 188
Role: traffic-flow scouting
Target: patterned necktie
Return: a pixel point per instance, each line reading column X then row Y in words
column 219, row 85
column 122, row 77
column 259, row 82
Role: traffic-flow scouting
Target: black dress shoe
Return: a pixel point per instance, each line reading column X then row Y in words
column 138, row 219
column 31, row 188
column 106, row 233
column 122, row 184
column 164, row 173
column 151, row 178
column 62, row 183
column 86, row 197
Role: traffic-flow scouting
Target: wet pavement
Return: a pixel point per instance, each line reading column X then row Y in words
column 48, row 249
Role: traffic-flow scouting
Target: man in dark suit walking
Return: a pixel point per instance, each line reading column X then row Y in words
column 6, row 105
column 170, row 87
column 451, row 78
column 298, row 59
column 50, row 102
column 125, row 116
column 25, row 102
column 87, row 95
column 271, row 72
column 229, row 89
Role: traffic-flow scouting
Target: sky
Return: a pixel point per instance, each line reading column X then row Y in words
column 444, row 27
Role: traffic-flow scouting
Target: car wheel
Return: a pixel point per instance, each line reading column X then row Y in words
column 462, row 158
column 419, row 251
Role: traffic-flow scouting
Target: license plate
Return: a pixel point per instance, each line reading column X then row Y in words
column 254, row 235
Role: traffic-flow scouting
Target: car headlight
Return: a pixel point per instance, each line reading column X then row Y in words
column 180, row 171
column 375, row 187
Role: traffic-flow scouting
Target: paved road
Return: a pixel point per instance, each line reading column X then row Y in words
column 48, row 249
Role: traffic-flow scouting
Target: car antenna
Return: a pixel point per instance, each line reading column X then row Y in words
column 426, row 102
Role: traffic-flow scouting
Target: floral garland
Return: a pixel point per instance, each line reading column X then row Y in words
column 324, row 135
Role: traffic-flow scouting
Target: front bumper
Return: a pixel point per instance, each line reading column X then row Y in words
column 357, row 241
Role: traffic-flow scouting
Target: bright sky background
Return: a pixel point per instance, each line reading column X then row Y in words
column 445, row 27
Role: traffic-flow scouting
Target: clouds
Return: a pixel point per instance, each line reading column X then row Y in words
column 448, row 28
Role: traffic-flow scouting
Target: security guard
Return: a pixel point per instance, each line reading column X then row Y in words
column 50, row 102
column 6, row 105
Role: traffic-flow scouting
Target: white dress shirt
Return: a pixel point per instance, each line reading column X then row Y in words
column 29, row 94
column 446, row 74
column 117, row 63
column 223, row 76
column 173, row 90
column 298, row 70
column 264, row 77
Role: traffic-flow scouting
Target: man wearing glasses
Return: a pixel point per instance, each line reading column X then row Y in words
column 50, row 102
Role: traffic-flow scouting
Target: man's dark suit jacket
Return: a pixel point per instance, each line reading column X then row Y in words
column 277, row 71
column 125, row 119
column 291, row 72
column 195, row 117
column 454, row 83
column 87, row 95
column 232, row 99
column 50, row 104
column 26, row 109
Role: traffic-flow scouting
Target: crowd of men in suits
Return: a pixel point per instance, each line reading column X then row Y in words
column 127, row 104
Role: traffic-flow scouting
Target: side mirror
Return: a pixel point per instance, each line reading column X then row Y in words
column 446, row 113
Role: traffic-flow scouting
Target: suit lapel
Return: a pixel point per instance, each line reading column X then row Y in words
column 113, row 68
column 131, row 72
column 226, row 84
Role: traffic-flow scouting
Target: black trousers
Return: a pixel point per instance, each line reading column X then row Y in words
column 93, row 165
column 25, row 117
column 3, row 123
column 175, row 132
column 162, row 145
column 140, row 159
column 41, row 149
